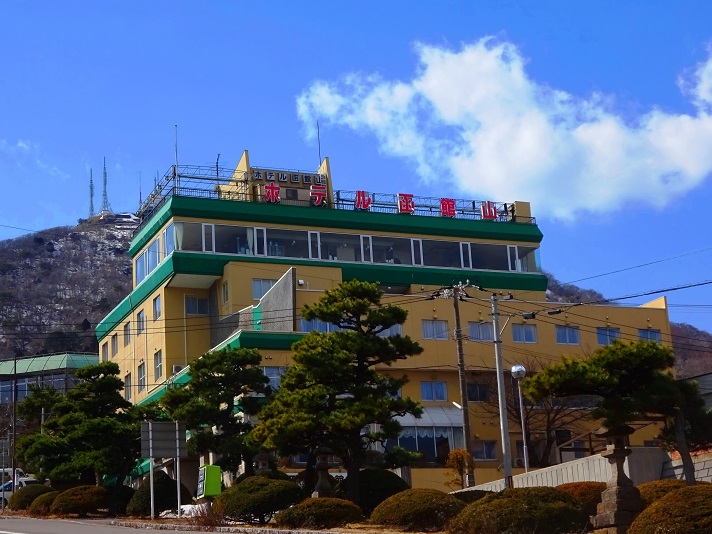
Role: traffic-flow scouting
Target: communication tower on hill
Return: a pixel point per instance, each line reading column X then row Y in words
column 91, row 194
column 105, row 206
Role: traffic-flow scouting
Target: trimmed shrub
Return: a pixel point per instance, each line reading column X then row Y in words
column 325, row 512
column 23, row 497
column 519, row 510
column 81, row 501
column 164, row 496
column 375, row 486
column 657, row 489
column 256, row 499
column 418, row 510
column 122, row 497
column 471, row 495
column 686, row 510
column 587, row 493
column 42, row 504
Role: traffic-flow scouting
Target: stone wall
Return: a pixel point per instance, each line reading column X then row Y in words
column 703, row 467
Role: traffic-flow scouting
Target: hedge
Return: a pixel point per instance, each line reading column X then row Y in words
column 687, row 510
column 325, row 512
column 81, row 501
column 164, row 496
column 256, row 499
column 418, row 510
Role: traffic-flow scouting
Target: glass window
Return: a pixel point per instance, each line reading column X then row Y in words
column 649, row 334
column 275, row 375
column 114, row 345
column 153, row 252
column 484, row 450
column 433, row 391
column 208, row 241
column 141, row 268
column 189, row 236
column 105, row 352
column 157, row 308
column 169, row 240
column 435, row 329
column 606, row 335
column 260, row 286
column 287, row 243
column 567, row 335
column 157, row 365
column 478, row 392
column 140, row 322
column 127, row 387
column 316, row 325
column 528, row 259
column 225, row 292
column 127, row 333
column 524, row 333
column 395, row 330
column 141, row 377
column 441, row 253
column 391, row 250
column 233, row 239
column 342, row 247
column 480, row 331
column 491, row 257
column 195, row 305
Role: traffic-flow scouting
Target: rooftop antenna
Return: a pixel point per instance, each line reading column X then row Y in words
column 176, row 143
column 318, row 140
column 105, row 206
column 91, row 194
column 140, row 192
column 217, row 167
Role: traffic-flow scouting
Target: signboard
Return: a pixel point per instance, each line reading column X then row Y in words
column 209, row 481
column 163, row 439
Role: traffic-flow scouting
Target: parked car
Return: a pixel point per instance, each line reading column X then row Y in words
column 6, row 490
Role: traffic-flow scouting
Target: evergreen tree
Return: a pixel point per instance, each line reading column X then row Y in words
column 333, row 392
column 225, row 387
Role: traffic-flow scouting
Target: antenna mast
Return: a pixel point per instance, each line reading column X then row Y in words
column 105, row 206
column 91, row 193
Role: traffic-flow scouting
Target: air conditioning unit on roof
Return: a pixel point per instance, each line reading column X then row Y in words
column 176, row 369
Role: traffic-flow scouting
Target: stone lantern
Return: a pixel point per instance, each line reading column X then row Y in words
column 323, row 487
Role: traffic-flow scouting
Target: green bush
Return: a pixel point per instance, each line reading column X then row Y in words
column 42, row 504
column 81, row 501
column 164, row 496
column 652, row 491
column 319, row 513
column 587, row 493
column 522, row 510
column 471, row 495
column 121, row 498
column 23, row 497
column 375, row 486
column 256, row 499
column 417, row 510
column 687, row 510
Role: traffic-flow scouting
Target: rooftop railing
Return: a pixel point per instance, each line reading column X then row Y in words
column 203, row 182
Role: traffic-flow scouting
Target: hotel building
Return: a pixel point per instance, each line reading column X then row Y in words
column 228, row 258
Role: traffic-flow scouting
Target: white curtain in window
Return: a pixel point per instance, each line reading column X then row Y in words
column 179, row 235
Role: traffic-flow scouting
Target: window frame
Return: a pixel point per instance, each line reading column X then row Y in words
column 607, row 331
column 141, row 375
column 489, row 452
column 434, row 333
column 114, row 344
column 158, row 365
column 521, row 331
column 567, row 330
column 428, row 390
column 127, row 333
column 140, row 322
column 157, row 308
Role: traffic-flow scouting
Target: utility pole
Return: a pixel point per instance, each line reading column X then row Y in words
column 457, row 292
column 502, row 395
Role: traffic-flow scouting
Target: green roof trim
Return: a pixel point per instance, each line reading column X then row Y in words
column 267, row 213
column 50, row 362
column 240, row 339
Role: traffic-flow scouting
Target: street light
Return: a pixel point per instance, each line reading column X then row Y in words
column 518, row 373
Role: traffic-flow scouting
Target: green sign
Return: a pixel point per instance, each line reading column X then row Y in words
column 209, row 481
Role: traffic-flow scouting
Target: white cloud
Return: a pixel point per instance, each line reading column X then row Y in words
column 474, row 115
column 24, row 155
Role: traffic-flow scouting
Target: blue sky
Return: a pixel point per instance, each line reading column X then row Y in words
column 598, row 113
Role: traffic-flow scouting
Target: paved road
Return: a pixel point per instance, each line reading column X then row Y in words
column 26, row 525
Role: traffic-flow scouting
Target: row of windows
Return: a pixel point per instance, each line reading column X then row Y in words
column 141, row 375
column 527, row 333
column 60, row 381
column 277, row 242
column 140, row 328
column 149, row 259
